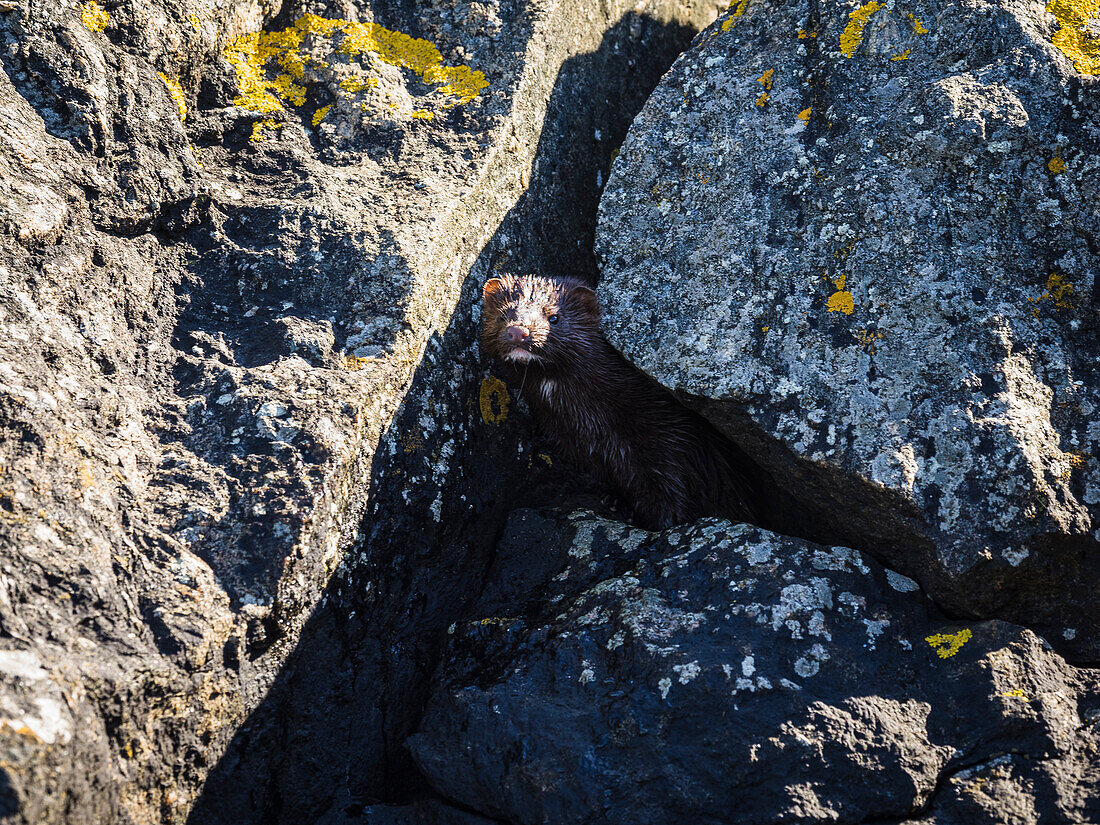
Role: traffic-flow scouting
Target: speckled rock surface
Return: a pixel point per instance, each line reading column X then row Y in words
column 864, row 239
column 228, row 233
column 719, row 673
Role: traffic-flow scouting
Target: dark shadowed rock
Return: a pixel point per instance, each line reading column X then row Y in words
column 724, row 674
column 864, row 239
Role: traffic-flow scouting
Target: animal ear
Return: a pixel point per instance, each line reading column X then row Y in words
column 494, row 286
column 586, row 299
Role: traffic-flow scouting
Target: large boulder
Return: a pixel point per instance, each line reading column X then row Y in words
column 863, row 238
column 228, row 234
column 721, row 673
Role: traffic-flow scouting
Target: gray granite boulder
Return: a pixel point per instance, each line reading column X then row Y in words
column 864, row 239
column 720, row 673
column 228, row 234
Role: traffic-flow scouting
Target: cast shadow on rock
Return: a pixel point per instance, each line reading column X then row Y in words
column 328, row 739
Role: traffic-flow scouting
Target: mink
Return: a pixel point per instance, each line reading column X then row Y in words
column 664, row 462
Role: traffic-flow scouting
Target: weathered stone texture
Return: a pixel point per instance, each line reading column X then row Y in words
column 227, row 234
column 864, row 239
column 720, row 673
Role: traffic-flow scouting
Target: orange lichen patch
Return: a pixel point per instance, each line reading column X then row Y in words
column 1078, row 35
column 803, row 34
column 493, row 400
column 903, row 56
column 1059, row 292
column 1071, row 461
column 918, row 26
column 85, row 475
column 319, row 115
column 1014, row 694
column 947, row 645
column 852, row 36
column 175, row 91
column 1056, row 165
column 841, row 300
column 355, row 363
column 804, row 115
column 93, row 16
column 765, row 80
column 868, row 339
column 738, row 7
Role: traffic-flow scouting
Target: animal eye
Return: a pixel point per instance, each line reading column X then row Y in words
column 553, row 319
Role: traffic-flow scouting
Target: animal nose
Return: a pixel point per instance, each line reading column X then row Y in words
column 516, row 334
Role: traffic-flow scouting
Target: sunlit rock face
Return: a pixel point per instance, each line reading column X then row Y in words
column 864, row 239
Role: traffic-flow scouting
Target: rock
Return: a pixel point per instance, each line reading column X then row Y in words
column 722, row 673
column 227, row 236
column 869, row 253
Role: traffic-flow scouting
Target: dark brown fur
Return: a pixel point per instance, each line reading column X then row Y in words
column 664, row 462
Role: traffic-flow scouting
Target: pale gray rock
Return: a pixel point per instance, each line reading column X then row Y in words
column 864, row 239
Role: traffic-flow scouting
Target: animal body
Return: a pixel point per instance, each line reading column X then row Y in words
column 664, row 462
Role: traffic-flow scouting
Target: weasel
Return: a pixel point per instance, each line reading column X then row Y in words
column 664, row 462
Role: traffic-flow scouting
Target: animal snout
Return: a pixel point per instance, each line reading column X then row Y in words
column 517, row 334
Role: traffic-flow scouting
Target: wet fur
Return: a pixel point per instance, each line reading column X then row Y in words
column 667, row 464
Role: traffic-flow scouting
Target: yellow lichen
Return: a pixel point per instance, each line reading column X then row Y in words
column 1059, row 292
column 738, row 7
column 319, row 115
column 766, row 81
column 1078, row 36
column 1056, row 165
column 355, row 84
column 415, row 54
column 493, row 400
column 918, row 26
column 1014, row 694
column 903, row 56
column 93, row 16
column 175, row 91
column 868, row 339
column 258, row 129
column 947, row 645
column 196, row 24
column 422, row 114
column 804, row 115
column 841, row 300
column 1073, row 460
column 852, row 35
column 803, row 34
column 251, row 56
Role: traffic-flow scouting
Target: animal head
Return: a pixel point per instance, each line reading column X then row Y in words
column 535, row 320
